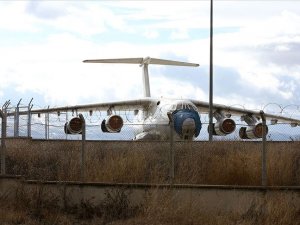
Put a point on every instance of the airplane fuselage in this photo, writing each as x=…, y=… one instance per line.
x=154, y=122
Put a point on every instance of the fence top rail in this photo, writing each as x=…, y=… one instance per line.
x=157, y=185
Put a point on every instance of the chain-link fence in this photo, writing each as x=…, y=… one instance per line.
x=52, y=126
x=214, y=163
x=235, y=161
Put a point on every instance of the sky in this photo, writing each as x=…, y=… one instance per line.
x=256, y=51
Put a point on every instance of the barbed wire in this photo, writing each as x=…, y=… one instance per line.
x=55, y=122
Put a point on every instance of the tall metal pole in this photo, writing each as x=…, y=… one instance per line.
x=263, y=151
x=211, y=75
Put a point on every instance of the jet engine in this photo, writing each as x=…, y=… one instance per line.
x=74, y=126
x=112, y=124
x=252, y=132
x=224, y=126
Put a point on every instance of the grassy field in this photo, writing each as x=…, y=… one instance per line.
x=226, y=163
x=217, y=163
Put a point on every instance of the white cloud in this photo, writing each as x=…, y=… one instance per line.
x=151, y=34
x=179, y=34
x=264, y=53
x=52, y=66
x=14, y=18
x=175, y=89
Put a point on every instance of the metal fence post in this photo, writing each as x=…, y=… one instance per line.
x=16, y=120
x=82, y=161
x=3, y=145
x=171, y=153
x=29, y=118
x=47, y=125
x=66, y=122
x=263, y=152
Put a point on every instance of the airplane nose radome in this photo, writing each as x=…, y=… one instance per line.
x=188, y=128
x=187, y=123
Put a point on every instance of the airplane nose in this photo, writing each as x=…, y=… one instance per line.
x=187, y=123
x=188, y=128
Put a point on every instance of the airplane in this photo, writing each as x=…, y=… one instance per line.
x=153, y=116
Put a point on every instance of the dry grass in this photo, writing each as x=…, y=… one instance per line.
x=226, y=163
x=217, y=163
x=135, y=166
x=158, y=208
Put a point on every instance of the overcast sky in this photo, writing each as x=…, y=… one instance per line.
x=43, y=43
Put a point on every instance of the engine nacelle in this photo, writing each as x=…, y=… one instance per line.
x=112, y=124
x=74, y=126
x=223, y=127
x=252, y=132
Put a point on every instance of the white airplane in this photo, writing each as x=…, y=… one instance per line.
x=152, y=116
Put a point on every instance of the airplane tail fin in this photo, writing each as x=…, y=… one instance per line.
x=144, y=62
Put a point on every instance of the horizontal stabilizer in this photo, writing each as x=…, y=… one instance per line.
x=142, y=61
x=171, y=62
x=123, y=60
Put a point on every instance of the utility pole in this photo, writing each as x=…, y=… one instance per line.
x=211, y=75
x=264, y=151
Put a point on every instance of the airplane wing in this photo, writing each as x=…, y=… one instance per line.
x=141, y=104
x=222, y=113
x=203, y=107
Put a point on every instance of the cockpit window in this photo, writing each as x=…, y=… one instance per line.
x=186, y=105
x=181, y=105
x=173, y=107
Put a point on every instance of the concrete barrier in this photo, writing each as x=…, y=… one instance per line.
x=207, y=198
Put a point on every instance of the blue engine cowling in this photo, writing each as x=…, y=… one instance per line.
x=187, y=123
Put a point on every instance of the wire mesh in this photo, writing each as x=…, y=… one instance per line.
x=51, y=126
x=236, y=161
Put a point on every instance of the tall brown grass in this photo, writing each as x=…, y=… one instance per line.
x=226, y=163
x=36, y=206
x=205, y=163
